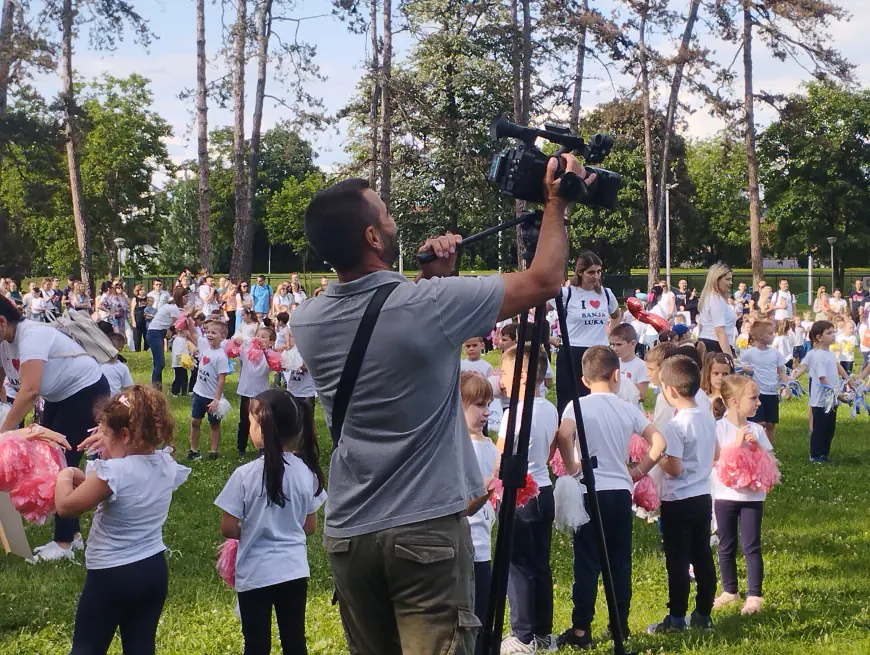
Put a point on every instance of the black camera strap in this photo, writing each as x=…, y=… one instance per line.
x=355, y=357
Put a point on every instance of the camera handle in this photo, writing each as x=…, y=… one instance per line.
x=429, y=255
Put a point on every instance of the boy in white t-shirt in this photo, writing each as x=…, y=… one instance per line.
x=474, y=361
x=848, y=344
x=623, y=341
x=253, y=380
x=609, y=423
x=530, y=583
x=209, y=389
x=687, y=506
x=116, y=371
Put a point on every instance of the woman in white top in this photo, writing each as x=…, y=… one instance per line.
x=715, y=316
x=838, y=303
x=244, y=300
x=39, y=360
x=162, y=321
x=589, y=308
x=821, y=305
x=296, y=290
x=282, y=300
x=668, y=301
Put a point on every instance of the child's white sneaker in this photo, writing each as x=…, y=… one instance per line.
x=725, y=599
x=752, y=605
x=513, y=646
x=52, y=552
x=78, y=542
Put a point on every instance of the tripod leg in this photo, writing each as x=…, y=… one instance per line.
x=513, y=475
x=591, y=495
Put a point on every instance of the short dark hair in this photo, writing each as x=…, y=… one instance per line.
x=9, y=311
x=336, y=221
x=682, y=374
x=599, y=363
x=283, y=317
x=818, y=329
x=692, y=352
x=118, y=341
x=511, y=331
x=625, y=332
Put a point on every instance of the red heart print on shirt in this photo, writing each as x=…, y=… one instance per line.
x=595, y=304
x=17, y=364
x=206, y=360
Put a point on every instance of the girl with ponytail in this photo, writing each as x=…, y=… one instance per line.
x=270, y=505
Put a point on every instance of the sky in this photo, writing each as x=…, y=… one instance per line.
x=170, y=64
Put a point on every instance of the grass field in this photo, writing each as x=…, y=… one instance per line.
x=817, y=560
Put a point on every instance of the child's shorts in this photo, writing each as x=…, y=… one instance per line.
x=799, y=352
x=768, y=410
x=199, y=408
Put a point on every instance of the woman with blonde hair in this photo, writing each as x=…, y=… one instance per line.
x=716, y=317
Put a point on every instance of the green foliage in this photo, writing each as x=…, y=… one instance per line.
x=816, y=172
x=284, y=219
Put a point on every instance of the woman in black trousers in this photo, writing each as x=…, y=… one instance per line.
x=138, y=304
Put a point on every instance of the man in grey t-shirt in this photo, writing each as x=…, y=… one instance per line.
x=405, y=470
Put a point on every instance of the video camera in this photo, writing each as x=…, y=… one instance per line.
x=519, y=171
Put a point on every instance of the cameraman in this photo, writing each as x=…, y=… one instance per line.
x=404, y=471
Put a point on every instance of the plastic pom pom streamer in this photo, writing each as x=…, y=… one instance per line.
x=557, y=464
x=15, y=462
x=524, y=495
x=735, y=467
x=637, y=449
x=29, y=468
x=232, y=349
x=860, y=401
x=274, y=360
x=646, y=495
x=223, y=409
x=181, y=322
x=765, y=471
x=226, y=564
x=568, y=496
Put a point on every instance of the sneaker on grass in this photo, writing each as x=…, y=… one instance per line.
x=546, y=644
x=51, y=552
x=668, y=624
x=725, y=599
x=193, y=455
x=572, y=639
x=78, y=542
x=513, y=646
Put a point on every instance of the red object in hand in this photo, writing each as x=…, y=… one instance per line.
x=524, y=495
x=657, y=322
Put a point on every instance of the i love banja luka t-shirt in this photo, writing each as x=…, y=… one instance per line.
x=588, y=312
x=212, y=362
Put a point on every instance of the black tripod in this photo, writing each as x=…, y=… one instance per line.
x=515, y=462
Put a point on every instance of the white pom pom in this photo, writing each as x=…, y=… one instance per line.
x=223, y=409
x=291, y=360
x=5, y=408
x=570, y=509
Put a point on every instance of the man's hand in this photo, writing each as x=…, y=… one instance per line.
x=445, y=252
x=552, y=184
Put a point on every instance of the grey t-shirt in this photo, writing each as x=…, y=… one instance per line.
x=405, y=455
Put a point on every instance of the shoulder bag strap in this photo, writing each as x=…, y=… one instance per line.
x=355, y=358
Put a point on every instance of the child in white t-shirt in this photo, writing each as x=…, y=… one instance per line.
x=608, y=423
x=270, y=505
x=115, y=371
x=253, y=380
x=131, y=488
x=824, y=372
x=784, y=341
x=183, y=352
x=531, y=614
x=623, y=341
x=799, y=337
x=474, y=361
x=848, y=344
x=687, y=506
x=767, y=366
x=476, y=396
x=739, y=508
x=209, y=389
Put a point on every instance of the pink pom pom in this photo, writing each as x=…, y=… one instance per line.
x=181, y=322
x=255, y=354
x=645, y=494
x=524, y=495
x=637, y=449
x=33, y=498
x=15, y=462
x=735, y=467
x=557, y=465
x=274, y=360
x=226, y=564
x=765, y=471
x=232, y=349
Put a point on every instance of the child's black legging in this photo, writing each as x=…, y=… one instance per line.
x=179, y=384
x=129, y=598
x=244, y=430
x=255, y=606
x=730, y=513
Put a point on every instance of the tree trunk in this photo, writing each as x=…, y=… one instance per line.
x=204, y=191
x=80, y=216
x=451, y=137
x=240, y=264
x=516, y=66
x=751, y=159
x=387, y=104
x=673, y=102
x=7, y=23
x=654, y=227
x=374, y=72
x=578, y=74
x=264, y=33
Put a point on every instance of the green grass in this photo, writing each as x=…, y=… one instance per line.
x=817, y=560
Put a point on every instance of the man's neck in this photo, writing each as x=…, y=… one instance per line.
x=366, y=268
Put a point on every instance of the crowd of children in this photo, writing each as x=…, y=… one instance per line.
x=702, y=406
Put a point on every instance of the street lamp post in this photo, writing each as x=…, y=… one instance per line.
x=120, y=242
x=832, y=241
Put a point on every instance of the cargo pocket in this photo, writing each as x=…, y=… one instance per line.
x=424, y=553
x=464, y=635
x=336, y=546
